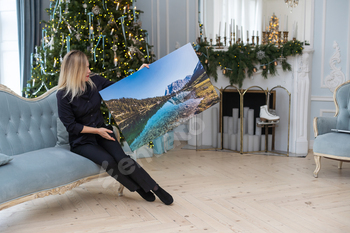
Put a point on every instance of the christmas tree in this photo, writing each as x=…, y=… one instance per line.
x=273, y=29
x=108, y=31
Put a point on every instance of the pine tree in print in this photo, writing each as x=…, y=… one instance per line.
x=107, y=31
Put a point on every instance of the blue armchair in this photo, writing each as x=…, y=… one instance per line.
x=329, y=144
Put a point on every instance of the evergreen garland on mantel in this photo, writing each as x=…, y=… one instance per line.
x=240, y=59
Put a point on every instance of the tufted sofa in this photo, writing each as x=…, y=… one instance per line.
x=37, y=142
x=329, y=144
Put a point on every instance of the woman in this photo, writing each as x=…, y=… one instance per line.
x=79, y=103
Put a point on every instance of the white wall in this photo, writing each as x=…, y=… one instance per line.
x=9, y=58
x=169, y=22
x=332, y=24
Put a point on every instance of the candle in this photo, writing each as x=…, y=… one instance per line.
x=117, y=6
x=204, y=31
x=286, y=24
x=225, y=30
x=242, y=32
x=247, y=34
x=219, y=27
x=264, y=23
x=233, y=26
x=296, y=29
x=257, y=33
x=253, y=32
x=237, y=31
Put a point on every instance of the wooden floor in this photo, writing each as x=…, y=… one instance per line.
x=213, y=192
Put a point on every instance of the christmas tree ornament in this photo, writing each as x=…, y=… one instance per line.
x=78, y=36
x=119, y=74
x=96, y=10
x=122, y=18
x=85, y=7
x=91, y=28
x=260, y=54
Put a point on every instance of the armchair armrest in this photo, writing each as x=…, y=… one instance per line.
x=324, y=125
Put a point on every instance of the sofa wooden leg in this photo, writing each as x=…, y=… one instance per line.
x=318, y=165
x=340, y=164
x=120, y=190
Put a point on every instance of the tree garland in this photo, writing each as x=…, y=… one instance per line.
x=242, y=60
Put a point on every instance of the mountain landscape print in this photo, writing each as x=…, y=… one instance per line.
x=155, y=100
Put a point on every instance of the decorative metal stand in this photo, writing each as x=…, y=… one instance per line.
x=241, y=93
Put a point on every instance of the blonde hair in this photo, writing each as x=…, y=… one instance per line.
x=73, y=74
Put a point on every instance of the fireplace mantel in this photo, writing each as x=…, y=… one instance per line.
x=297, y=82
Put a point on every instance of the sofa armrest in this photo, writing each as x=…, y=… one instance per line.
x=116, y=133
x=324, y=125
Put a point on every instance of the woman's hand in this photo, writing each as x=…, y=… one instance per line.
x=143, y=66
x=103, y=132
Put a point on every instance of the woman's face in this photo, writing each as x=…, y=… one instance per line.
x=88, y=71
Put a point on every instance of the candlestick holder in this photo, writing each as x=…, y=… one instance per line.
x=264, y=38
x=211, y=42
x=218, y=43
x=225, y=40
x=257, y=40
x=248, y=40
x=230, y=42
x=294, y=39
x=198, y=40
x=205, y=40
x=253, y=37
x=279, y=39
x=234, y=38
x=239, y=41
x=285, y=37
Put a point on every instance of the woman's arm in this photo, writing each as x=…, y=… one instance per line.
x=103, y=132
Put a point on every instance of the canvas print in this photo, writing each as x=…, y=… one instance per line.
x=153, y=101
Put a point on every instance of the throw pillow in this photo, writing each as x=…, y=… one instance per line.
x=62, y=134
x=4, y=159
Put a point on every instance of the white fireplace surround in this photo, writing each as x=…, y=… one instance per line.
x=297, y=82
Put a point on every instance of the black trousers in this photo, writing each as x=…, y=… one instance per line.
x=110, y=155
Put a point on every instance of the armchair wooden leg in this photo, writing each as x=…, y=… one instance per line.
x=120, y=190
x=340, y=164
x=318, y=165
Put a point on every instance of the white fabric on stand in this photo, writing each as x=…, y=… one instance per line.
x=250, y=142
x=215, y=127
x=219, y=141
x=251, y=121
x=226, y=141
x=269, y=143
x=225, y=126
x=233, y=141
x=230, y=125
x=235, y=120
x=245, y=142
x=257, y=129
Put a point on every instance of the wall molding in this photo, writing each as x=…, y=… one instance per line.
x=322, y=98
x=336, y=77
x=322, y=111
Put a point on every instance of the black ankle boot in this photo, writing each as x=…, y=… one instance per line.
x=165, y=197
x=149, y=196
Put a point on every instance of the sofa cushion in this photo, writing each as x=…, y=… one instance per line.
x=333, y=144
x=62, y=134
x=4, y=159
x=42, y=170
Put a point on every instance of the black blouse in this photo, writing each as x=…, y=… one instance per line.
x=83, y=110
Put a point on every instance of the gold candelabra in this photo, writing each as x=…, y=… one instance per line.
x=264, y=38
x=285, y=37
x=279, y=39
